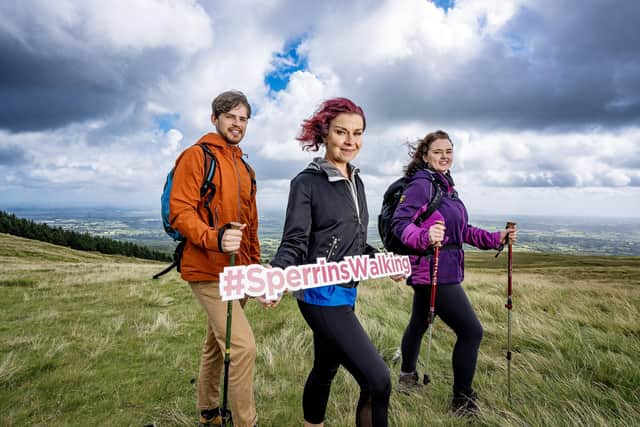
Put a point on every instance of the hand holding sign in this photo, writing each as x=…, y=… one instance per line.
x=270, y=283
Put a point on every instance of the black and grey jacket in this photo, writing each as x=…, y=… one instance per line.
x=326, y=217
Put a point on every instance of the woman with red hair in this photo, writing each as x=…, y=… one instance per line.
x=327, y=218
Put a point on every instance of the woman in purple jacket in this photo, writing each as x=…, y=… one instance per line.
x=448, y=227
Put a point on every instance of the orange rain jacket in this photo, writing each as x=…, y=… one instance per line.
x=235, y=200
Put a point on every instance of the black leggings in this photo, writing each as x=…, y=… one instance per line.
x=454, y=308
x=339, y=339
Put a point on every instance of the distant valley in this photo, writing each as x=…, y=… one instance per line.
x=566, y=235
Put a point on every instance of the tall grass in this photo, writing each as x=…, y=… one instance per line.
x=87, y=339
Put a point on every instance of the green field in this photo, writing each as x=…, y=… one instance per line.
x=89, y=339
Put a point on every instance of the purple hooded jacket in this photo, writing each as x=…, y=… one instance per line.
x=452, y=211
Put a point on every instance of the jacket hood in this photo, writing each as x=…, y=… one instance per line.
x=322, y=165
x=215, y=140
x=444, y=179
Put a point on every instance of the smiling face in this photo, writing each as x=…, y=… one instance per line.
x=440, y=155
x=344, y=139
x=232, y=125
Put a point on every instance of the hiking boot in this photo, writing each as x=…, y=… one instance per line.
x=465, y=404
x=210, y=417
x=408, y=382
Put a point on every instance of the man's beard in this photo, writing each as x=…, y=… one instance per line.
x=225, y=136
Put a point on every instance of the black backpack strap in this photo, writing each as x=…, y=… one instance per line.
x=252, y=174
x=434, y=203
x=165, y=271
x=177, y=256
x=208, y=188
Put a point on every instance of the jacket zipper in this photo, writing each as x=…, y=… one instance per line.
x=354, y=194
x=235, y=167
x=334, y=242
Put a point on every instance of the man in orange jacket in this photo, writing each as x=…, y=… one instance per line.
x=209, y=243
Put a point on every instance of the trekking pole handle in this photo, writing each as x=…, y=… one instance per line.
x=438, y=244
x=509, y=266
x=234, y=226
x=510, y=224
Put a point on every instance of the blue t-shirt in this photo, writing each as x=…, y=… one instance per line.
x=331, y=295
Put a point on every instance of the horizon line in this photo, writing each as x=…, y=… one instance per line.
x=263, y=212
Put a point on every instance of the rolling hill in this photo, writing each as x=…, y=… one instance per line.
x=90, y=339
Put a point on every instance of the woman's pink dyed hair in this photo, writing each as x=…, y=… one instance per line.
x=314, y=129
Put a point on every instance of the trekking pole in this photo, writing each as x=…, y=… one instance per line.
x=225, y=413
x=509, y=306
x=432, y=307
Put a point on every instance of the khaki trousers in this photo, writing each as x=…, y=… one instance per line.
x=243, y=356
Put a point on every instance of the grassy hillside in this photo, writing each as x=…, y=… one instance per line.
x=89, y=339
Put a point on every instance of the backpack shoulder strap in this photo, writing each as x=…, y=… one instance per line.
x=434, y=203
x=208, y=188
x=252, y=174
x=210, y=164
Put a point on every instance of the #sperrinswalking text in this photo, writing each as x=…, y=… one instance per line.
x=256, y=280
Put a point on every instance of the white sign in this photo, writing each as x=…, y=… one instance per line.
x=255, y=280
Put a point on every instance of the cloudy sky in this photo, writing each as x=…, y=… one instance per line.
x=541, y=97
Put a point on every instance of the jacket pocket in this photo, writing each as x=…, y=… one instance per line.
x=196, y=260
x=331, y=252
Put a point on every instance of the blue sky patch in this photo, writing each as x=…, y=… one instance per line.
x=286, y=63
x=444, y=4
x=166, y=122
x=516, y=44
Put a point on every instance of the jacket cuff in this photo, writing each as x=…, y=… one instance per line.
x=417, y=237
x=496, y=236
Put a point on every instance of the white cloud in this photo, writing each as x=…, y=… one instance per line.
x=66, y=157
x=172, y=141
x=115, y=25
x=615, y=178
x=278, y=122
x=523, y=104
